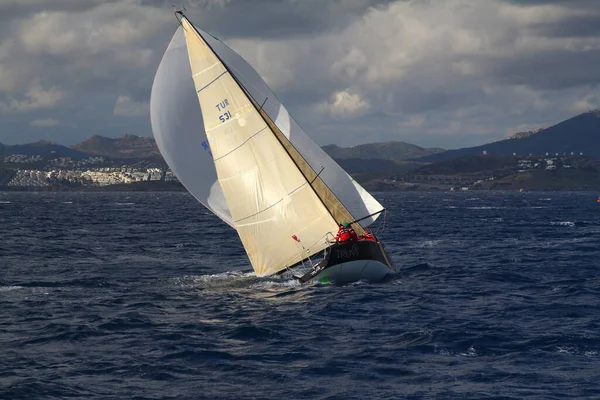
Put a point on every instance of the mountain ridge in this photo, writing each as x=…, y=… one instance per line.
x=390, y=150
x=578, y=134
x=124, y=146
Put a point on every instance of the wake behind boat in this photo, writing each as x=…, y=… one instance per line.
x=236, y=149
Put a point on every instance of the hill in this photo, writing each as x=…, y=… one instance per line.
x=125, y=146
x=587, y=179
x=580, y=134
x=360, y=165
x=468, y=165
x=522, y=135
x=394, y=151
x=42, y=148
x=488, y=172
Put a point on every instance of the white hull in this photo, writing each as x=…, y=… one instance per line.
x=357, y=270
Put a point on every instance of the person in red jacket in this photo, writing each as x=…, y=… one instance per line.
x=345, y=234
x=368, y=235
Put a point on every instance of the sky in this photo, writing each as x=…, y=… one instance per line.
x=435, y=73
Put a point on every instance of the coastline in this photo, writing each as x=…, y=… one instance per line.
x=161, y=186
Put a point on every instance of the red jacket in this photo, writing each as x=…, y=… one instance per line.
x=368, y=235
x=345, y=235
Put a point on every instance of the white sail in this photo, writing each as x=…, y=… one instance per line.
x=354, y=197
x=179, y=130
x=270, y=200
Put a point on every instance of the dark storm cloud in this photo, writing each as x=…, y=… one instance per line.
x=429, y=72
x=547, y=70
x=578, y=26
x=567, y=3
x=11, y=9
x=272, y=18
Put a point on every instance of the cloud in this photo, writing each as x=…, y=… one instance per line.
x=36, y=98
x=587, y=103
x=345, y=105
x=44, y=123
x=435, y=73
x=127, y=107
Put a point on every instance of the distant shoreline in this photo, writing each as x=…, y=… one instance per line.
x=159, y=186
x=149, y=186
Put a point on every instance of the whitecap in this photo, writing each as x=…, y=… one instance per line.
x=271, y=283
x=563, y=223
x=570, y=350
x=9, y=288
x=429, y=243
x=471, y=352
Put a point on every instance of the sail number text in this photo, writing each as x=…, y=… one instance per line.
x=221, y=107
x=206, y=147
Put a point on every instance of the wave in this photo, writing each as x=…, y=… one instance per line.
x=563, y=223
x=10, y=288
x=486, y=208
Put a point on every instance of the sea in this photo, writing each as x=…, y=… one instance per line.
x=130, y=295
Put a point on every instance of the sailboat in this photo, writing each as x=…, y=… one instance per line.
x=237, y=150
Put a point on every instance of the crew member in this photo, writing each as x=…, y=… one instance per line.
x=345, y=234
x=368, y=235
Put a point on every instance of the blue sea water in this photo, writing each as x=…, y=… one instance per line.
x=148, y=296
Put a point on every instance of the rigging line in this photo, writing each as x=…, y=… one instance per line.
x=316, y=176
x=382, y=226
x=368, y=216
x=263, y=103
x=296, y=264
x=243, y=143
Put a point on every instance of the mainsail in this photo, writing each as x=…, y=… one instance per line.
x=274, y=183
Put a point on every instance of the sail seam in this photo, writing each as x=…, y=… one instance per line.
x=205, y=69
x=211, y=82
x=272, y=205
x=243, y=143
